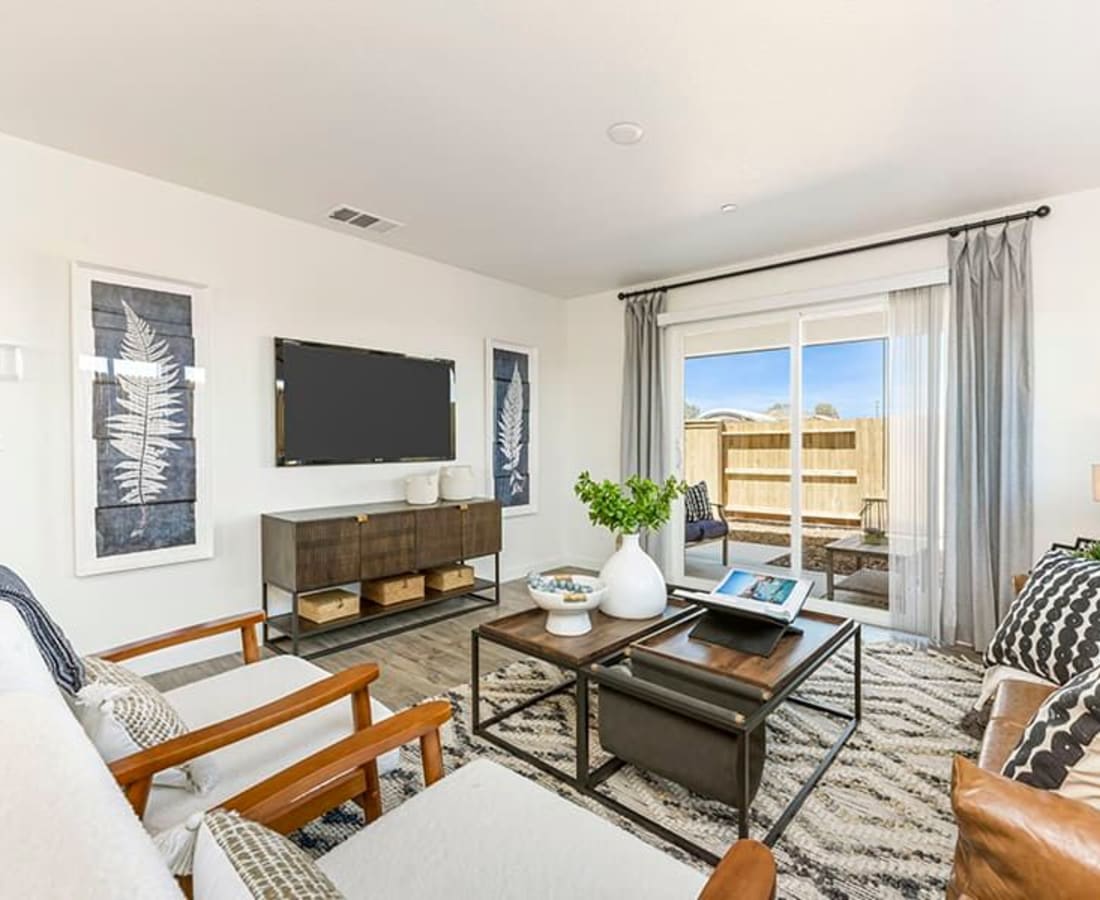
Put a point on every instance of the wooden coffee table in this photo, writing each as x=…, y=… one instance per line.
x=590, y=659
x=525, y=632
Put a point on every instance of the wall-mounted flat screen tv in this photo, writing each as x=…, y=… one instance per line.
x=338, y=405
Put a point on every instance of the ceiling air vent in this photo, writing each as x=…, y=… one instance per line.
x=364, y=221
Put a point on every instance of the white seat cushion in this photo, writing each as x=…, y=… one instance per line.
x=486, y=833
x=66, y=829
x=248, y=762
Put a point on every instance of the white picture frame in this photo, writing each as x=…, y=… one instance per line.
x=142, y=492
x=502, y=470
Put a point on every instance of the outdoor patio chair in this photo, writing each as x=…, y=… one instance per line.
x=709, y=529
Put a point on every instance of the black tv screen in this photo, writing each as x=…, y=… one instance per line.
x=347, y=405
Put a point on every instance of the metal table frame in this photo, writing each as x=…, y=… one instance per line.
x=587, y=781
x=578, y=681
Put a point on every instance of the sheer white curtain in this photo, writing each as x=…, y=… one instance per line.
x=917, y=405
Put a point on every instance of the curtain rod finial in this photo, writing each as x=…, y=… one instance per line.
x=1043, y=211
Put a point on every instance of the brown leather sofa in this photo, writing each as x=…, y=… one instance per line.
x=1018, y=842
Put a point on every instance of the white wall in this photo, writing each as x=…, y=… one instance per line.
x=269, y=276
x=1066, y=267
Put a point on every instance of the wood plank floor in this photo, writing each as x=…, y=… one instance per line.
x=425, y=662
x=415, y=665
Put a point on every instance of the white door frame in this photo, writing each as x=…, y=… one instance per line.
x=674, y=337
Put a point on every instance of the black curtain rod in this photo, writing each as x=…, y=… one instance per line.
x=952, y=230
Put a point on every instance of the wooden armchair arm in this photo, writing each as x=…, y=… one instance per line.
x=272, y=799
x=244, y=622
x=135, y=773
x=746, y=872
x=1018, y=582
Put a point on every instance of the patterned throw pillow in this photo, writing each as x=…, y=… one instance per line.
x=1060, y=748
x=264, y=863
x=1053, y=628
x=57, y=652
x=123, y=714
x=697, y=503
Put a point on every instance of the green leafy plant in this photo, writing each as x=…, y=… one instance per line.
x=1092, y=551
x=628, y=508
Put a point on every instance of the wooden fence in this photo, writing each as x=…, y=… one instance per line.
x=746, y=466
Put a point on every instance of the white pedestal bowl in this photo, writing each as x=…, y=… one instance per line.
x=567, y=610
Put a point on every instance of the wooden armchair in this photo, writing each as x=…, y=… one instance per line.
x=471, y=803
x=245, y=623
x=250, y=702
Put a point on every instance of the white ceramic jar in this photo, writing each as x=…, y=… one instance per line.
x=456, y=483
x=421, y=490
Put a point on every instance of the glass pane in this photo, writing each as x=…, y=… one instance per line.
x=844, y=457
x=737, y=441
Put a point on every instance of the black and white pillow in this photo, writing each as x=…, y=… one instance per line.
x=1053, y=628
x=57, y=652
x=1060, y=748
x=697, y=503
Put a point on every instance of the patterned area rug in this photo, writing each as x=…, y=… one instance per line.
x=877, y=826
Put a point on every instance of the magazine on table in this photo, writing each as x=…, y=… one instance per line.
x=758, y=593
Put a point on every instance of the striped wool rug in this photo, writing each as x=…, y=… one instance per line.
x=877, y=826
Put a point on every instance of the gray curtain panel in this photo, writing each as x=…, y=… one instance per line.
x=642, y=448
x=989, y=447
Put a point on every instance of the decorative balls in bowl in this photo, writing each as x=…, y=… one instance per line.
x=567, y=600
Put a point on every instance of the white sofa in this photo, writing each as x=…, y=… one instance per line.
x=239, y=764
x=66, y=829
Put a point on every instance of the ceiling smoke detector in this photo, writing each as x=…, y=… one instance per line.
x=625, y=133
x=364, y=221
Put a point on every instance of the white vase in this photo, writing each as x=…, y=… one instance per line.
x=635, y=586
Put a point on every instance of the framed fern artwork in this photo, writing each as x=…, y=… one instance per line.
x=511, y=377
x=141, y=432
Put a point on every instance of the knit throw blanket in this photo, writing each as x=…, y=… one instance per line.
x=60, y=658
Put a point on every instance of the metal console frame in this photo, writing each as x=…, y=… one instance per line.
x=295, y=637
x=587, y=781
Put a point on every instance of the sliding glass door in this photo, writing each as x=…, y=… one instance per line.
x=736, y=441
x=750, y=391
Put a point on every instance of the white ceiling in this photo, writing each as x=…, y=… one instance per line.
x=481, y=123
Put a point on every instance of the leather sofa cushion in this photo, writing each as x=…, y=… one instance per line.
x=1020, y=843
x=708, y=530
x=1013, y=706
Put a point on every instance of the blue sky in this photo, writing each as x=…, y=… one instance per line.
x=848, y=375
